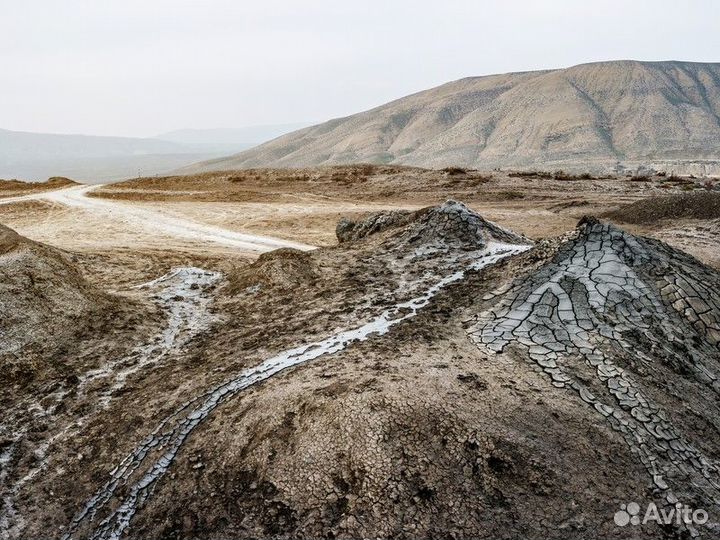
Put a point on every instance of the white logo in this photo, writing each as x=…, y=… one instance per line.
x=629, y=514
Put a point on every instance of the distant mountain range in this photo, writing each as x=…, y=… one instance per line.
x=664, y=115
x=250, y=135
x=37, y=156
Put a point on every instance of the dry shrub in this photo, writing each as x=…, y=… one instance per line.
x=454, y=171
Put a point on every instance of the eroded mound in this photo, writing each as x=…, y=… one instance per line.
x=695, y=205
x=44, y=301
x=348, y=230
x=396, y=253
x=452, y=224
x=284, y=268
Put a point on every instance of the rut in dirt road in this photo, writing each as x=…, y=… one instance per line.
x=137, y=475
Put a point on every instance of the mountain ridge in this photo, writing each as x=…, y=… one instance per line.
x=656, y=114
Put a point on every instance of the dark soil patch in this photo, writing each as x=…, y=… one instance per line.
x=700, y=205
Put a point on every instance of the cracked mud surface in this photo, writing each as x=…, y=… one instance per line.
x=434, y=375
x=608, y=302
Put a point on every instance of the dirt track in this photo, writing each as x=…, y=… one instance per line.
x=154, y=222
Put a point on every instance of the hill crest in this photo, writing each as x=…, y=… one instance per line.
x=664, y=115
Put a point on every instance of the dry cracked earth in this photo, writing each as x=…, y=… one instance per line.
x=430, y=374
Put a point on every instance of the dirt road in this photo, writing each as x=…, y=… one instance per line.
x=156, y=222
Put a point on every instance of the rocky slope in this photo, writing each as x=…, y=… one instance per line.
x=590, y=116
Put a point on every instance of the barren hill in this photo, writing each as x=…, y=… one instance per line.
x=591, y=116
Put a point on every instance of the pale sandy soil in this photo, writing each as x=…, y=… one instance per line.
x=68, y=218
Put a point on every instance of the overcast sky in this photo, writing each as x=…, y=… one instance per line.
x=141, y=67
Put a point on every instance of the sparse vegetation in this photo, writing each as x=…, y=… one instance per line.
x=557, y=175
x=20, y=186
x=674, y=178
x=561, y=175
x=454, y=171
x=530, y=174
x=510, y=195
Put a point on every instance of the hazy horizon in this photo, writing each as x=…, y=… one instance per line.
x=138, y=69
x=166, y=135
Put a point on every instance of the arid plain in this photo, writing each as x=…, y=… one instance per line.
x=248, y=354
